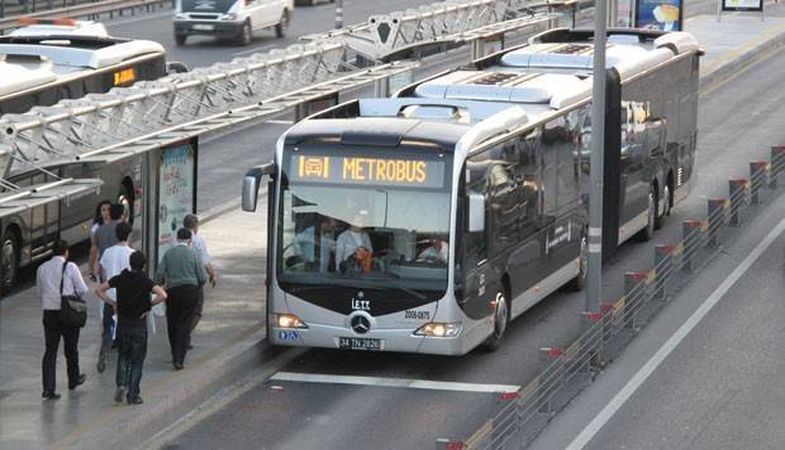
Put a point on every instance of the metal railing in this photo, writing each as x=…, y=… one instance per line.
x=569, y=369
x=204, y=100
x=386, y=34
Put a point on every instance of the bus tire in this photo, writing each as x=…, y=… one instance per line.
x=179, y=39
x=579, y=282
x=647, y=232
x=9, y=264
x=666, y=210
x=501, y=319
x=282, y=25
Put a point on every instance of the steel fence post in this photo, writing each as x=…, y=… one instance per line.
x=631, y=280
x=663, y=269
x=550, y=354
x=715, y=218
x=592, y=319
x=448, y=444
x=690, y=236
x=736, y=188
x=758, y=175
x=777, y=162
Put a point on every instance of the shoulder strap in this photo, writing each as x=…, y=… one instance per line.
x=62, y=278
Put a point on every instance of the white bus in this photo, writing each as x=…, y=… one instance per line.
x=427, y=221
x=41, y=70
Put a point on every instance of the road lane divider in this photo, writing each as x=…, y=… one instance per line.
x=406, y=383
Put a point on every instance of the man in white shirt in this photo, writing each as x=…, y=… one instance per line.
x=437, y=252
x=113, y=261
x=191, y=222
x=48, y=281
x=350, y=246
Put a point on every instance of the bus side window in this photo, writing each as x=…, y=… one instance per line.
x=475, y=244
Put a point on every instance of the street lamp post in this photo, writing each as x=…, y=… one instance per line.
x=339, y=14
x=594, y=275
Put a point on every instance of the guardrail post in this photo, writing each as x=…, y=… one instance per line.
x=715, y=218
x=777, y=163
x=550, y=354
x=631, y=281
x=736, y=188
x=663, y=269
x=596, y=361
x=448, y=444
x=759, y=171
x=691, y=236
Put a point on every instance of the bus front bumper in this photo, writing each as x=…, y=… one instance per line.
x=386, y=340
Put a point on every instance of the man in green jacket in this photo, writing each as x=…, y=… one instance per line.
x=182, y=272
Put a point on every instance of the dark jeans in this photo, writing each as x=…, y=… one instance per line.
x=53, y=329
x=106, y=333
x=198, y=309
x=132, y=349
x=180, y=308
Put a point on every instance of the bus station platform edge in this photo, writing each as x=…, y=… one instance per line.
x=229, y=343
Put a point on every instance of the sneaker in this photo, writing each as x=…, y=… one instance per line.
x=101, y=366
x=79, y=381
x=119, y=394
x=50, y=395
x=135, y=400
x=178, y=366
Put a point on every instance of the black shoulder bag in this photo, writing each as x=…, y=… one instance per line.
x=73, y=310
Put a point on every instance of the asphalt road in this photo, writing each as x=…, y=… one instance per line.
x=204, y=50
x=285, y=414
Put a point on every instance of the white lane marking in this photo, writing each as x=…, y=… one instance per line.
x=258, y=49
x=394, y=382
x=142, y=17
x=651, y=365
x=280, y=122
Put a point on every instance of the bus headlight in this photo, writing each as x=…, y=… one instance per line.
x=289, y=321
x=439, y=329
x=179, y=16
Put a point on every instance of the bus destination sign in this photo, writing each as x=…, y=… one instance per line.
x=364, y=170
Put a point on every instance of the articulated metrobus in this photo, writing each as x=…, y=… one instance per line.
x=42, y=70
x=427, y=221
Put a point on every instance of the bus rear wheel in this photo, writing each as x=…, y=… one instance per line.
x=666, y=208
x=9, y=263
x=651, y=215
x=501, y=318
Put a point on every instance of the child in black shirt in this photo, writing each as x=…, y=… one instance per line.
x=133, y=305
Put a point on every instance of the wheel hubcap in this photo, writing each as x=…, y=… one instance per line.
x=501, y=315
x=9, y=264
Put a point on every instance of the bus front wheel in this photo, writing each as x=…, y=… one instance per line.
x=501, y=318
x=10, y=261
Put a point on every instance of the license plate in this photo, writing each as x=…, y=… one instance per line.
x=350, y=343
x=203, y=27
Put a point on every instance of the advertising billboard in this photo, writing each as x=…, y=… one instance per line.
x=742, y=5
x=176, y=191
x=662, y=15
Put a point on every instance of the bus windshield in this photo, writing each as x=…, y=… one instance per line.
x=359, y=221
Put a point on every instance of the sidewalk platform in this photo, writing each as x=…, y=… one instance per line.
x=229, y=342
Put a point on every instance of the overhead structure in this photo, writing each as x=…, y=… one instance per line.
x=152, y=113
x=387, y=34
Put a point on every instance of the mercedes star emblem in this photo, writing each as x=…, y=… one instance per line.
x=361, y=324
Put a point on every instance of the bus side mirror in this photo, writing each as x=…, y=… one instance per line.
x=251, y=183
x=476, y=213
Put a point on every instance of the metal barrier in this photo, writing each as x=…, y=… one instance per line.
x=78, y=9
x=570, y=369
x=201, y=101
x=386, y=34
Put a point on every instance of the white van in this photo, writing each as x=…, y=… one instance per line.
x=230, y=19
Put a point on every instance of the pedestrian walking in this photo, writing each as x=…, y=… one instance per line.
x=132, y=302
x=57, y=278
x=182, y=273
x=104, y=237
x=101, y=217
x=191, y=222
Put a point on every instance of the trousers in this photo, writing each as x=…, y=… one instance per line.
x=106, y=332
x=53, y=330
x=132, y=350
x=180, y=308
